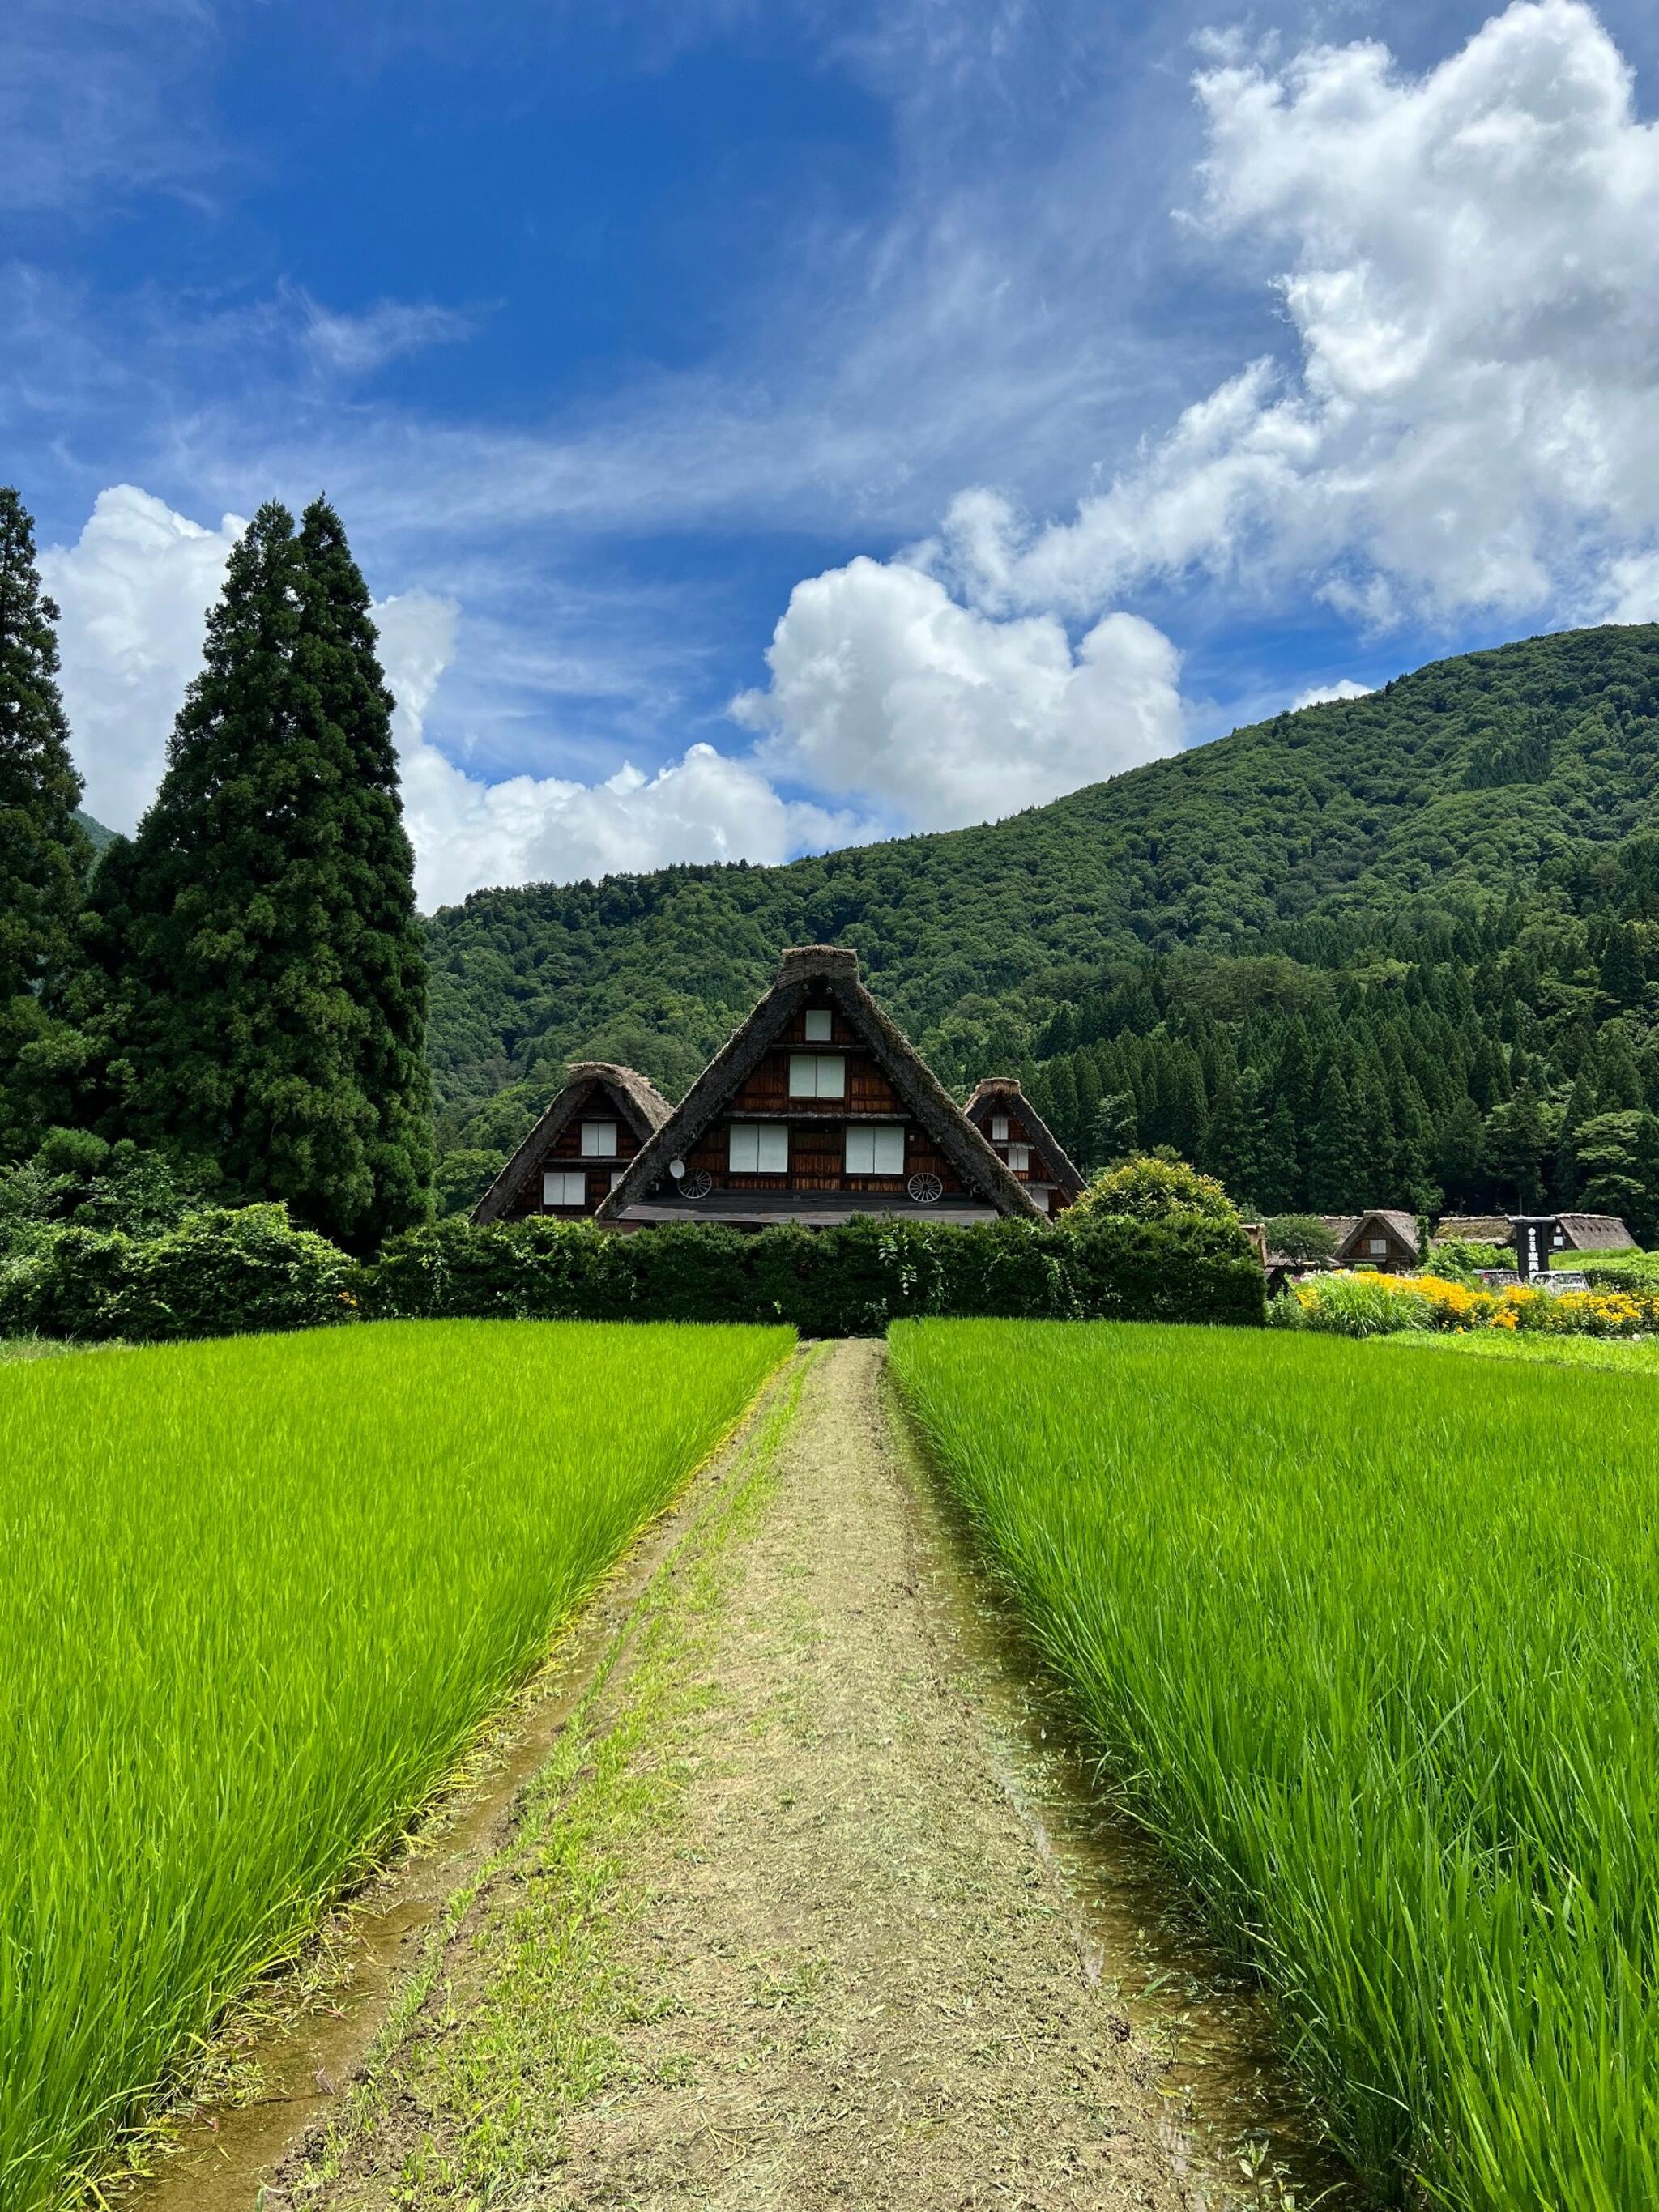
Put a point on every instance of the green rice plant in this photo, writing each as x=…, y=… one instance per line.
x=255, y=1597
x=1366, y=1636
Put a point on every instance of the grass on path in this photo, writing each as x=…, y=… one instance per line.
x=496, y=2038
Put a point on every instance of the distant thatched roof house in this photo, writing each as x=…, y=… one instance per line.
x=1595, y=1232
x=1574, y=1232
x=1475, y=1228
x=1384, y=1239
x=1019, y=1136
x=816, y=1109
x=580, y=1147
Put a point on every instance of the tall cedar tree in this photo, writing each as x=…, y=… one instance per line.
x=272, y=1006
x=44, y=853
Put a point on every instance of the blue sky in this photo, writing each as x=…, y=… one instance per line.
x=765, y=426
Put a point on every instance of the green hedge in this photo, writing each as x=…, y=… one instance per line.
x=218, y=1274
x=221, y=1273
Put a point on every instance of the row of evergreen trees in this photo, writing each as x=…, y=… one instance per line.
x=1525, y=1080
x=241, y=985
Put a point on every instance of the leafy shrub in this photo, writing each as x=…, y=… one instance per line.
x=1302, y=1237
x=218, y=1274
x=1616, y=1271
x=1352, y=1305
x=1461, y=1259
x=1153, y=1189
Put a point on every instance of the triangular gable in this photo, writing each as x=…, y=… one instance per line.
x=1401, y=1226
x=815, y=972
x=635, y=1099
x=1000, y=1093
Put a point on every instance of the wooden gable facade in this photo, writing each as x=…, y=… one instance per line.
x=818, y=1108
x=581, y=1147
x=1383, y=1241
x=1024, y=1143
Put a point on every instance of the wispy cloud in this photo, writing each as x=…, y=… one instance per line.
x=357, y=344
x=102, y=97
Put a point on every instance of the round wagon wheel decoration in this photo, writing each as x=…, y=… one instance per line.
x=925, y=1189
x=698, y=1184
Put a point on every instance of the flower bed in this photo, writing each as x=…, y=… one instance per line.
x=1366, y=1304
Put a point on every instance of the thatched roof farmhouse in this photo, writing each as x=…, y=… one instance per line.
x=1020, y=1136
x=817, y=1107
x=580, y=1147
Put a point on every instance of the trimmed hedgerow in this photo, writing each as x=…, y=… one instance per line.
x=222, y=1273
x=847, y=1280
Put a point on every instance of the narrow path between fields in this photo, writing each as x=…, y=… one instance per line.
x=773, y=1931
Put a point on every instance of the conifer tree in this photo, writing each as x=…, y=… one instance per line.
x=274, y=1015
x=1279, y=1174
x=1337, y=1151
x=1233, y=1141
x=44, y=853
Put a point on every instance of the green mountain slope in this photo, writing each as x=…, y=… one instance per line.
x=1493, y=773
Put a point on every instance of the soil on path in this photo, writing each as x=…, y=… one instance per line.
x=778, y=1936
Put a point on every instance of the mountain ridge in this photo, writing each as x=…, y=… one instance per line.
x=1450, y=790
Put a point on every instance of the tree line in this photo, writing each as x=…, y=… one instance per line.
x=239, y=990
x=1512, y=1065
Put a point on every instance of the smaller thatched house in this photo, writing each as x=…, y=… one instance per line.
x=1593, y=1232
x=1383, y=1240
x=577, y=1152
x=1574, y=1232
x=1476, y=1228
x=1023, y=1141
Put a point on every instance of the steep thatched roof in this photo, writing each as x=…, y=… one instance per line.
x=997, y=1094
x=819, y=971
x=1352, y=1230
x=1476, y=1228
x=636, y=1098
x=1595, y=1232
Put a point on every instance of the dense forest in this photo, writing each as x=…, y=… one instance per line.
x=1402, y=949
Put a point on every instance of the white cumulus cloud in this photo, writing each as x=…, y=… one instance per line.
x=884, y=688
x=1468, y=260
x=134, y=591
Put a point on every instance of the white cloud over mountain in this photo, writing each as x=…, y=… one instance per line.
x=1461, y=419
x=1321, y=695
x=884, y=686
x=134, y=592
x=1469, y=264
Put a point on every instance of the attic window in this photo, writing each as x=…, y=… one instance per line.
x=758, y=1148
x=1019, y=1157
x=819, y=1029
x=599, y=1141
x=877, y=1148
x=564, y=1187
x=998, y=1128
x=1377, y=1244
x=816, y=1075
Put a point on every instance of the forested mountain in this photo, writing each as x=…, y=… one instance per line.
x=1381, y=950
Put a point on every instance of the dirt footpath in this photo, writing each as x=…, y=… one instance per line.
x=776, y=1934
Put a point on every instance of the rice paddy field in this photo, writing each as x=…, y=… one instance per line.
x=256, y=1596
x=1365, y=1635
